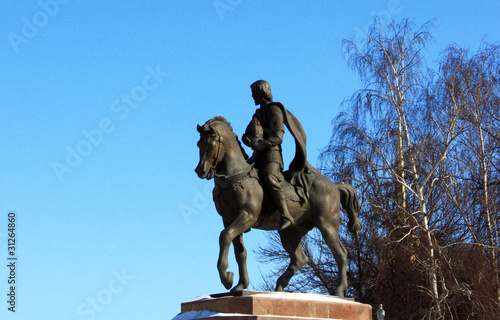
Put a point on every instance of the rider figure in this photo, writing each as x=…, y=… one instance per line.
x=268, y=157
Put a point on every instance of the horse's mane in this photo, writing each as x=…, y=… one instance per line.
x=228, y=124
x=221, y=119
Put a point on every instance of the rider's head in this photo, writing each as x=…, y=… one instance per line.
x=261, y=92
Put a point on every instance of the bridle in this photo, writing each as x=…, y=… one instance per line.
x=221, y=152
x=222, y=181
x=218, y=157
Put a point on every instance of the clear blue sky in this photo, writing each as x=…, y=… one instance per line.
x=99, y=103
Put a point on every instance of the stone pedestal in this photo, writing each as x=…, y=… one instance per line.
x=251, y=305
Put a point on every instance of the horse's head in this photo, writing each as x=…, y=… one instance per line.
x=219, y=144
x=212, y=150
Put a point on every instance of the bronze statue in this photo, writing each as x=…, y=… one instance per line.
x=245, y=201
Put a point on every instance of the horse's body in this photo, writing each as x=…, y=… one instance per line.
x=240, y=200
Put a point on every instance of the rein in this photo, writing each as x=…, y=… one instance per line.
x=217, y=156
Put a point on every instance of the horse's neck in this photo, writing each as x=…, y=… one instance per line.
x=233, y=163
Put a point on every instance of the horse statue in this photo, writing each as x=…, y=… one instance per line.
x=242, y=202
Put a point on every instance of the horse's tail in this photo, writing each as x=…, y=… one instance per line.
x=350, y=202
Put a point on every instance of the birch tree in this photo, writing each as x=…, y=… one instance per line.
x=470, y=85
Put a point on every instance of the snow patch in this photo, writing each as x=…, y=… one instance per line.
x=303, y=296
x=200, y=298
x=202, y=314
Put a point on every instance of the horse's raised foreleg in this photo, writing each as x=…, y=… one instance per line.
x=291, y=239
x=241, y=223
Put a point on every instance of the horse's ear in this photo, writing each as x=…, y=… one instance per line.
x=198, y=127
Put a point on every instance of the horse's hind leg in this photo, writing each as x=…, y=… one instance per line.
x=329, y=229
x=291, y=239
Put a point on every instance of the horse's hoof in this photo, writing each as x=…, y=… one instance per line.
x=239, y=287
x=228, y=283
x=340, y=293
x=279, y=288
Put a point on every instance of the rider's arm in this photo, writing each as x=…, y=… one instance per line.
x=276, y=127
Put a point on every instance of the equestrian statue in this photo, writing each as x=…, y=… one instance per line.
x=256, y=193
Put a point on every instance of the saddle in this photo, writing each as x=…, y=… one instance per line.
x=296, y=185
x=290, y=190
x=301, y=181
x=298, y=192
